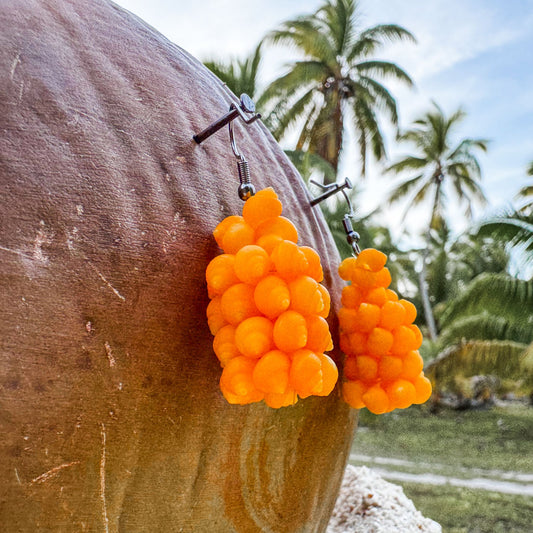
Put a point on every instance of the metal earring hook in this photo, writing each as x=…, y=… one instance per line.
x=244, y=109
x=246, y=188
x=329, y=190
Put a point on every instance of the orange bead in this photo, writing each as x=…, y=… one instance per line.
x=404, y=340
x=412, y=365
x=330, y=375
x=237, y=303
x=350, y=368
x=357, y=342
x=280, y=226
x=281, y=400
x=313, y=259
x=289, y=260
x=347, y=320
x=223, y=226
x=391, y=295
x=390, y=367
x=261, y=207
x=376, y=400
x=366, y=279
x=410, y=312
x=392, y=315
x=383, y=278
x=326, y=299
x=344, y=343
x=401, y=394
x=253, y=336
x=352, y=392
x=306, y=297
x=367, y=368
x=236, y=236
x=272, y=296
x=422, y=388
x=372, y=259
x=306, y=376
x=418, y=336
x=269, y=242
x=290, y=331
x=318, y=334
x=215, y=319
x=352, y=296
x=271, y=374
x=379, y=342
x=368, y=316
x=251, y=263
x=376, y=296
x=346, y=268
x=220, y=274
x=236, y=381
x=224, y=344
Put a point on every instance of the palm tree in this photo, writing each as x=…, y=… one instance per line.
x=240, y=75
x=337, y=81
x=436, y=164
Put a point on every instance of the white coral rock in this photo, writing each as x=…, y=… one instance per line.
x=369, y=504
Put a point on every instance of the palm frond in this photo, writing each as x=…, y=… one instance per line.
x=498, y=294
x=409, y=162
x=485, y=326
x=384, y=69
x=389, y=32
x=504, y=359
x=379, y=94
x=516, y=228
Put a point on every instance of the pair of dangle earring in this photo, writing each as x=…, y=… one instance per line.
x=268, y=310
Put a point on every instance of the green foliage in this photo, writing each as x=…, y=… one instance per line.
x=240, y=75
x=486, y=326
x=337, y=80
x=498, y=294
x=308, y=164
x=486, y=329
x=503, y=359
x=514, y=229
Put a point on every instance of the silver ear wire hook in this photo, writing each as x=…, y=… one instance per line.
x=246, y=188
x=329, y=190
x=244, y=109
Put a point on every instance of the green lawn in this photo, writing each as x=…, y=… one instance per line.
x=460, y=510
x=459, y=444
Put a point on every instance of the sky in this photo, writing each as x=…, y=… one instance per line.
x=474, y=54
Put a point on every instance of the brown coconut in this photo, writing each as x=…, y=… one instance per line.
x=111, y=418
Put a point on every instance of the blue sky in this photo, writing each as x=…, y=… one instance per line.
x=477, y=54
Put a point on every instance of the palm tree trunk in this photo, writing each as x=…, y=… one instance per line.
x=329, y=147
x=428, y=311
x=424, y=294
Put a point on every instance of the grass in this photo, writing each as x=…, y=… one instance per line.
x=499, y=438
x=453, y=443
x=460, y=510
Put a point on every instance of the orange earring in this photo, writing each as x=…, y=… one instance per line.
x=383, y=369
x=268, y=309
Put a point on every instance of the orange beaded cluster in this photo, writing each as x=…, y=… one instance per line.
x=268, y=310
x=383, y=368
